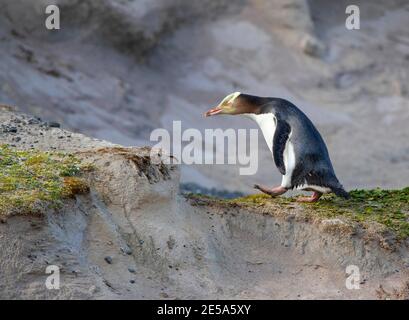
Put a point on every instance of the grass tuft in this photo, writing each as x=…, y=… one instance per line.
x=32, y=181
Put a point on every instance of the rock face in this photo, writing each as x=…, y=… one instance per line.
x=116, y=70
x=135, y=237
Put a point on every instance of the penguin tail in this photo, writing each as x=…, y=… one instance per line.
x=340, y=192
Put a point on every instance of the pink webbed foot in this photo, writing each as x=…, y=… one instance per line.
x=271, y=191
x=314, y=198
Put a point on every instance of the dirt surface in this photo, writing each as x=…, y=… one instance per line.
x=117, y=70
x=135, y=237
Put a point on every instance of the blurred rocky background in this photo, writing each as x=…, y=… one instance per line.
x=117, y=69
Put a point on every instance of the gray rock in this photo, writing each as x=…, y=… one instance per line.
x=313, y=46
x=53, y=124
x=9, y=129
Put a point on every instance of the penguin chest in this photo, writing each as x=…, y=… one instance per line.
x=267, y=123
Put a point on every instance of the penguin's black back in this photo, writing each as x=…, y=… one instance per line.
x=313, y=164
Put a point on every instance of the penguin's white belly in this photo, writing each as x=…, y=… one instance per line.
x=289, y=163
x=267, y=124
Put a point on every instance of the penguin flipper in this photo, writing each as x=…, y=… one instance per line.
x=281, y=135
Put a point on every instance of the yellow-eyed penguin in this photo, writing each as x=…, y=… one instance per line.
x=298, y=150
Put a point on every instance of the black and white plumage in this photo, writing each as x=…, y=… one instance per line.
x=298, y=150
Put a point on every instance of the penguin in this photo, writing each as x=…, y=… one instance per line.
x=298, y=150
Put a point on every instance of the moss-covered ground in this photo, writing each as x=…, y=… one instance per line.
x=32, y=181
x=389, y=208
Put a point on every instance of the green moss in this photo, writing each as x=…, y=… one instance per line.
x=261, y=199
x=389, y=208
x=32, y=181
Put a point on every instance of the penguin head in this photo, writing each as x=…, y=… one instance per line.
x=227, y=106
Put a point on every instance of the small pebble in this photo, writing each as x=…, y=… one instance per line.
x=108, y=259
x=131, y=270
x=53, y=124
x=33, y=121
x=127, y=251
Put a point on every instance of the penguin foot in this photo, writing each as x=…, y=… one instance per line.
x=273, y=191
x=314, y=198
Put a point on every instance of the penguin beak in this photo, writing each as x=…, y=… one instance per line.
x=213, y=111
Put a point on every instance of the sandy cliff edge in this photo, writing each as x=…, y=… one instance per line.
x=135, y=237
